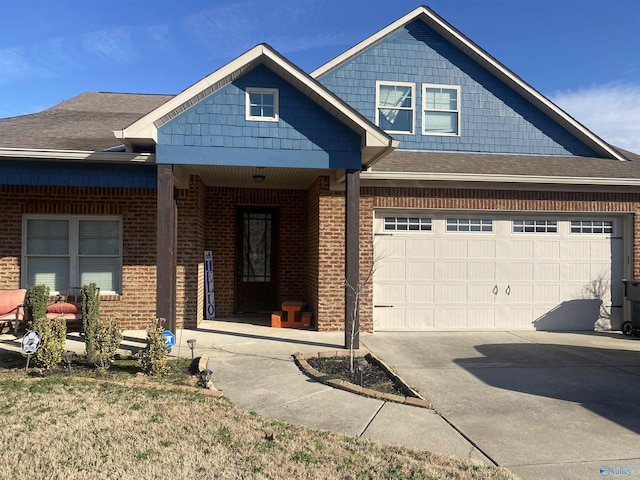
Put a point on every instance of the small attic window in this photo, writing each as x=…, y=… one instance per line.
x=262, y=104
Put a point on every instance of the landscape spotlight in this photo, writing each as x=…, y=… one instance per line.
x=192, y=345
x=68, y=357
x=361, y=364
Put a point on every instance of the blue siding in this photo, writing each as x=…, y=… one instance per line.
x=216, y=132
x=67, y=174
x=494, y=118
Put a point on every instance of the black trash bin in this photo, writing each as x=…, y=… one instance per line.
x=632, y=293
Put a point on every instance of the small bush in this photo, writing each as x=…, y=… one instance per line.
x=53, y=333
x=90, y=319
x=107, y=340
x=35, y=303
x=154, y=357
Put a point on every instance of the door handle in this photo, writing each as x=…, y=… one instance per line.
x=508, y=290
x=495, y=290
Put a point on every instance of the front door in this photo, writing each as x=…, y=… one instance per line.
x=256, y=260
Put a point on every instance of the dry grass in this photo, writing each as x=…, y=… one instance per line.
x=60, y=428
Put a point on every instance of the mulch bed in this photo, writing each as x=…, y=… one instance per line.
x=372, y=375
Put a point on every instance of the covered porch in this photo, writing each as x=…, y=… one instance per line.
x=259, y=164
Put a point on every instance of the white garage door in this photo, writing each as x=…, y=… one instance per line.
x=442, y=271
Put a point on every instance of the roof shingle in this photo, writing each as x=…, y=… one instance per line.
x=500, y=164
x=84, y=122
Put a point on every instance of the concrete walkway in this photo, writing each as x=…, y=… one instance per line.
x=254, y=367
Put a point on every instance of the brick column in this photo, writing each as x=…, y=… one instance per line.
x=352, y=258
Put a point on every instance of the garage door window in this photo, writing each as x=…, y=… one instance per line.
x=601, y=227
x=535, y=226
x=405, y=224
x=484, y=225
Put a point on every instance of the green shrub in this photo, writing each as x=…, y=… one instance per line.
x=35, y=303
x=53, y=333
x=107, y=340
x=90, y=319
x=153, y=358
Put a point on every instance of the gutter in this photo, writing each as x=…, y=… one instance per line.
x=77, y=155
x=483, y=178
x=391, y=146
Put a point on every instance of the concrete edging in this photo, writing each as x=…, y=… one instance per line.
x=413, y=398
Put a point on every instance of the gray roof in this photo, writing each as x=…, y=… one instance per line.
x=84, y=122
x=502, y=164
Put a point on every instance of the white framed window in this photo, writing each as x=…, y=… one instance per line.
x=441, y=110
x=483, y=225
x=407, y=224
x=262, y=104
x=594, y=227
x=395, y=110
x=71, y=251
x=534, y=226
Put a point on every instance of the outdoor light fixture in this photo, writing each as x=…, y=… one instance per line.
x=192, y=345
x=361, y=364
x=68, y=357
x=259, y=178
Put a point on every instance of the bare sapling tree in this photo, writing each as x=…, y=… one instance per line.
x=356, y=292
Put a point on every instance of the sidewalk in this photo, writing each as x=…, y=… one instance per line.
x=254, y=367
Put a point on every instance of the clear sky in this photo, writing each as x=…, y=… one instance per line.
x=582, y=54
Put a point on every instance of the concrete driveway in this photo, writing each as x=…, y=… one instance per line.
x=543, y=404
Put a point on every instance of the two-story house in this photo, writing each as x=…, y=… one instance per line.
x=414, y=165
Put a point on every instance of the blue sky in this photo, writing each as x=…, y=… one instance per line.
x=582, y=54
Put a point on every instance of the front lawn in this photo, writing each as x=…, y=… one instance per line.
x=58, y=427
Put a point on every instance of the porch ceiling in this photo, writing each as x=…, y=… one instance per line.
x=232, y=176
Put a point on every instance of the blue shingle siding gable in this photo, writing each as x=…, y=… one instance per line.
x=494, y=118
x=74, y=174
x=215, y=131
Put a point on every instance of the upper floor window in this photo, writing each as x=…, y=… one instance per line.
x=441, y=106
x=66, y=252
x=262, y=104
x=395, y=106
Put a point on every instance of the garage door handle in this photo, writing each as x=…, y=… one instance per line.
x=383, y=306
x=508, y=290
x=495, y=290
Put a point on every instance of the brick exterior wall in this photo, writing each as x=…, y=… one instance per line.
x=313, y=246
x=190, y=269
x=137, y=302
x=310, y=247
x=331, y=258
x=220, y=238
